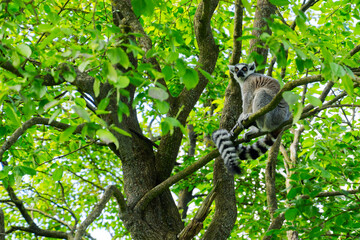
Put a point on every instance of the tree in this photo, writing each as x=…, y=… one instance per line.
x=107, y=108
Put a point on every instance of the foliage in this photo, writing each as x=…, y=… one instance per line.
x=60, y=169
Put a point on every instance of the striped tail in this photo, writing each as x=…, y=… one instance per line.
x=227, y=150
x=257, y=149
x=232, y=154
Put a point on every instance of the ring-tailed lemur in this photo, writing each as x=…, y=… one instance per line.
x=257, y=91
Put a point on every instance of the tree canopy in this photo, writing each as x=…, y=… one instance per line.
x=107, y=108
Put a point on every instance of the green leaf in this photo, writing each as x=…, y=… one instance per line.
x=96, y=87
x=247, y=5
x=83, y=65
x=103, y=104
x=15, y=59
x=45, y=27
x=158, y=93
x=69, y=76
x=348, y=85
x=50, y=105
x=11, y=115
x=24, y=50
x=3, y=174
x=111, y=73
x=281, y=57
x=168, y=124
x=82, y=113
x=107, y=137
x=293, y=192
x=327, y=55
x=123, y=82
x=190, y=78
x=299, y=64
x=172, y=57
x=58, y=174
x=206, y=74
x=300, y=54
x=66, y=134
x=117, y=55
x=290, y=214
x=280, y=3
x=168, y=72
x=298, y=109
x=162, y=106
x=54, y=115
x=291, y=98
x=121, y=131
x=28, y=170
x=143, y=7
x=314, y=101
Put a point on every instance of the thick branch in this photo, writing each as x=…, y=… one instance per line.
x=2, y=225
x=355, y=50
x=237, y=44
x=156, y=191
x=9, y=67
x=275, y=224
x=270, y=176
x=99, y=207
x=196, y=224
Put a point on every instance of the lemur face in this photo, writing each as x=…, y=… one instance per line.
x=242, y=70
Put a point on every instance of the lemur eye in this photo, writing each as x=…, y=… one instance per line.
x=244, y=69
x=236, y=69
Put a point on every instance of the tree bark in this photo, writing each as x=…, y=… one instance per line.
x=264, y=9
x=225, y=211
x=2, y=225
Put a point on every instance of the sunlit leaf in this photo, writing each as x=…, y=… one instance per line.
x=24, y=49
x=190, y=78
x=58, y=174
x=107, y=137
x=82, y=113
x=65, y=135
x=121, y=131
x=158, y=93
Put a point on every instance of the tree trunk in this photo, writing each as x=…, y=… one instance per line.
x=264, y=9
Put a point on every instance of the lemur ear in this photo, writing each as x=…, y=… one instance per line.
x=231, y=68
x=252, y=66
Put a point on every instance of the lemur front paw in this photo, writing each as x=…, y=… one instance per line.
x=243, y=117
x=253, y=130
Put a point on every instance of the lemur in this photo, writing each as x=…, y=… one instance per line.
x=257, y=91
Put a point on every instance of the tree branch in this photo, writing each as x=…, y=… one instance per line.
x=29, y=123
x=270, y=173
x=196, y=224
x=275, y=224
x=99, y=207
x=156, y=191
x=33, y=228
x=355, y=50
x=333, y=194
x=237, y=44
x=2, y=225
